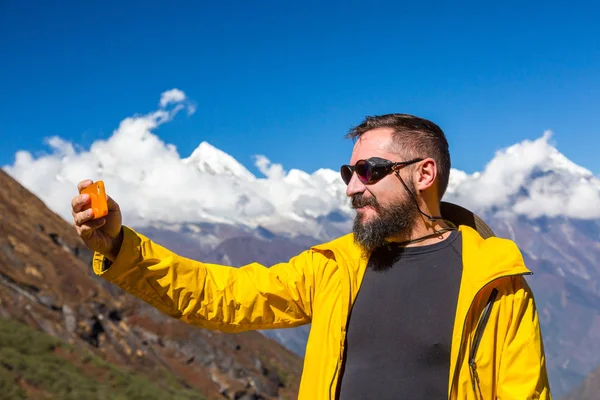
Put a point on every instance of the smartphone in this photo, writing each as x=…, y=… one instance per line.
x=98, y=197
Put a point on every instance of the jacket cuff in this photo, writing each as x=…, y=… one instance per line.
x=127, y=259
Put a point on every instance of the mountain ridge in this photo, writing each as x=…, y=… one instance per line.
x=529, y=178
x=209, y=206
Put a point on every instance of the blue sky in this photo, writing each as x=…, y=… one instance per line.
x=288, y=80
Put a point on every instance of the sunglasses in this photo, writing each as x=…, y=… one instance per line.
x=372, y=169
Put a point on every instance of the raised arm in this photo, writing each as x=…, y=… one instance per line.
x=214, y=296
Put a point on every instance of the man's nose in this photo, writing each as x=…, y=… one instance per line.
x=354, y=186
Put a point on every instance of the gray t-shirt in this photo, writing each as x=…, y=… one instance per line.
x=400, y=326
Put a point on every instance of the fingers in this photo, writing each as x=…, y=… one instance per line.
x=79, y=202
x=83, y=184
x=86, y=229
x=82, y=217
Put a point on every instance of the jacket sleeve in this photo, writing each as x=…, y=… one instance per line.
x=215, y=296
x=523, y=373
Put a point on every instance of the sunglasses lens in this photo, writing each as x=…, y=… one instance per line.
x=346, y=173
x=363, y=171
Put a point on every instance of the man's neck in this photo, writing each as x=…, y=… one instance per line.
x=424, y=233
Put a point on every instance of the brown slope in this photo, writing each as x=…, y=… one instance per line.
x=46, y=282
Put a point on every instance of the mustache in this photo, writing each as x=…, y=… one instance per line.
x=358, y=200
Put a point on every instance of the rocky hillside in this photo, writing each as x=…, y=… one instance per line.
x=46, y=283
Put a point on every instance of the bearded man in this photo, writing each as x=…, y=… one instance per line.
x=420, y=301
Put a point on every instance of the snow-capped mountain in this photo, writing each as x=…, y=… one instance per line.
x=209, y=206
x=208, y=159
x=531, y=178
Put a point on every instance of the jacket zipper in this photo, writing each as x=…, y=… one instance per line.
x=478, y=334
x=462, y=337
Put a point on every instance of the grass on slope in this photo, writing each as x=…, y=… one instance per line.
x=36, y=365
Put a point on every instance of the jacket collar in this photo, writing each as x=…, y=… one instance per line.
x=483, y=259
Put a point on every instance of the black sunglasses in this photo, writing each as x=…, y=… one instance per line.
x=372, y=169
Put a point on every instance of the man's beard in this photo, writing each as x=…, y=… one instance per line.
x=397, y=219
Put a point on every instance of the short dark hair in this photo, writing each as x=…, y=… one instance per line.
x=413, y=137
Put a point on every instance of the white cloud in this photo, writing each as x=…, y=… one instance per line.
x=191, y=108
x=530, y=178
x=271, y=171
x=171, y=96
x=152, y=182
x=61, y=146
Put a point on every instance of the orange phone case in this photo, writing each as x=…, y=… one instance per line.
x=98, y=196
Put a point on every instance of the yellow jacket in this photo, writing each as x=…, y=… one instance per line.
x=319, y=286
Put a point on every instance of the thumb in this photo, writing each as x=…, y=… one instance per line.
x=112, y=205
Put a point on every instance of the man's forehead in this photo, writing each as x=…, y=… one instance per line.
x=373, y=143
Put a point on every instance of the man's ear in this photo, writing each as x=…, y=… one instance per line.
x=425, y=174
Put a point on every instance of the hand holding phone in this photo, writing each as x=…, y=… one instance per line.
x=97, y=218
x=98, y=199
